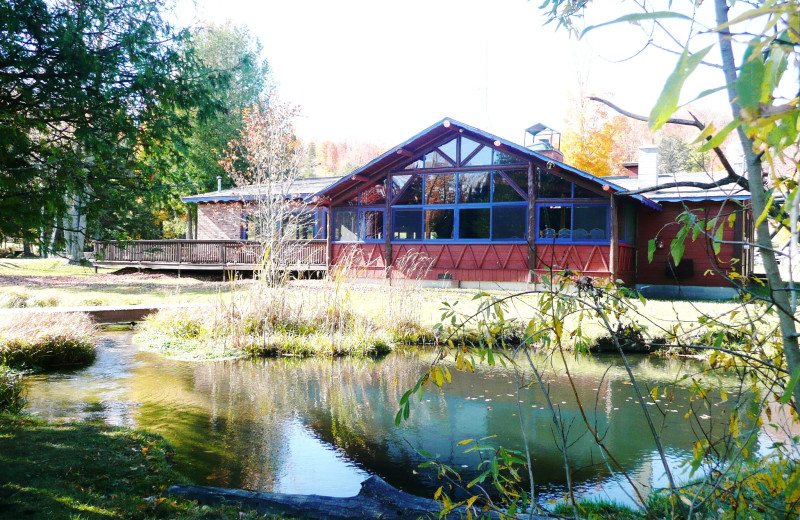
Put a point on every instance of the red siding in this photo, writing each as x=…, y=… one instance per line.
x=654, y=224
x=463, y=262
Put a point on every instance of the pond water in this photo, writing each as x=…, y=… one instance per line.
x=322, y=426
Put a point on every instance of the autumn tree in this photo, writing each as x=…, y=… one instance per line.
x=266, y=159
x=591, y=137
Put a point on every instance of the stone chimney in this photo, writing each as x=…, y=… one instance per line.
x=648, y=166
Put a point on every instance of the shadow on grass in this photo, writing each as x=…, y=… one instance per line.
x=87, y=471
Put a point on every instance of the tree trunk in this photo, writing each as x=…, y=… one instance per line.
x=779, y=296
x=376, y=500
x=75, y=228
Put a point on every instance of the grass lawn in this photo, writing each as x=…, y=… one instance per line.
x=53, y=283
x=90, y=471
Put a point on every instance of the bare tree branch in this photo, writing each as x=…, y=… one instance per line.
x=738, y=179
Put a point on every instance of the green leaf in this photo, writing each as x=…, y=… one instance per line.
x=720, y=136
x=636, y=17
x=764, y=213
x=651, y=249
x=717, y=245
x=668, y=100
x=751, y=76
x=677, y=247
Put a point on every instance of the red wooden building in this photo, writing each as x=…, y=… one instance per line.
x=488, y=212
x=456, y=206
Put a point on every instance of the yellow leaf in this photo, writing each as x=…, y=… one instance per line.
x=438, y=493
x=654, y=393
x=465, y=441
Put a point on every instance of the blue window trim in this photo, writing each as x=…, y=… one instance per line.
x=457, y=222
x=572, y=204
x=320, y=222
x=455, y=207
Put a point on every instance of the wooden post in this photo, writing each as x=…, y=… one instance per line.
x=614, y=249
x=389, y=227
x=329, y=237
x=531, y=224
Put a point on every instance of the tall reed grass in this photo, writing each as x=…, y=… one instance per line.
x=44, y=340
x=262, y=319
x=11, y=399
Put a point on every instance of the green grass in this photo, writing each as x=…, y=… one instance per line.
x=44, y=267
x=90, y=471
x=600, y=510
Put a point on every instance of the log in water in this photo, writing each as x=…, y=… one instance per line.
x=376, y=500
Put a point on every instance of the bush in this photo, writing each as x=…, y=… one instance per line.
x=630, y=339
x=11, y=399
x=13, y=300
x=46, y=340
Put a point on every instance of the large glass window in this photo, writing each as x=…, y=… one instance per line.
x=439, y=224
x=475, y=187
x=474, y=223
x=509, y=222
x=408, y=224
x=582, y=193
x=555, y=222
x=345, y=227
x=464, y=206
x=355, y=225
x=373, y=195
x=573, y=222
x=412, y=192
x=450, y=148
x=440, y=189
x=552, y=186
x=371, y=225
x=503, y=190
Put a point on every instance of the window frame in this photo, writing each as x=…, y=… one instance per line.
x=456, y=206
x=360, y=224
x=571, y=204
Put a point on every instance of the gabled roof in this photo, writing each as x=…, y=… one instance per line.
x=299, y=189
x=417, y=144
x=688, y=193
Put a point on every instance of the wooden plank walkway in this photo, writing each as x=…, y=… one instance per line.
x=103, y=315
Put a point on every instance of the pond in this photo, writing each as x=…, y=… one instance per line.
x=321, y=426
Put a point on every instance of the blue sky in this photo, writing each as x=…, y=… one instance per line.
x=382, y=70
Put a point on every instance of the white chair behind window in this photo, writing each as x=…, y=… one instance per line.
x=564, y=233
x=597, y=233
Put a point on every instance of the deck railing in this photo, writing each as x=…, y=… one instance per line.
x=309, y=253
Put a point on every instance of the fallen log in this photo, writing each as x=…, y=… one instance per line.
x=377, y=500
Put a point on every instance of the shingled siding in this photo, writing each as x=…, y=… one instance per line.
x=219, y=221
x=699, y=252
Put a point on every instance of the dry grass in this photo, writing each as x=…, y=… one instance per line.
x=45, y=340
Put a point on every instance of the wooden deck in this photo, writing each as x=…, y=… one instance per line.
x=209, y=255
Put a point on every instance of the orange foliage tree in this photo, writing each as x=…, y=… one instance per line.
x=590, y=141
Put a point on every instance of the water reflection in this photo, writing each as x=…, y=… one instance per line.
x=322, y=426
